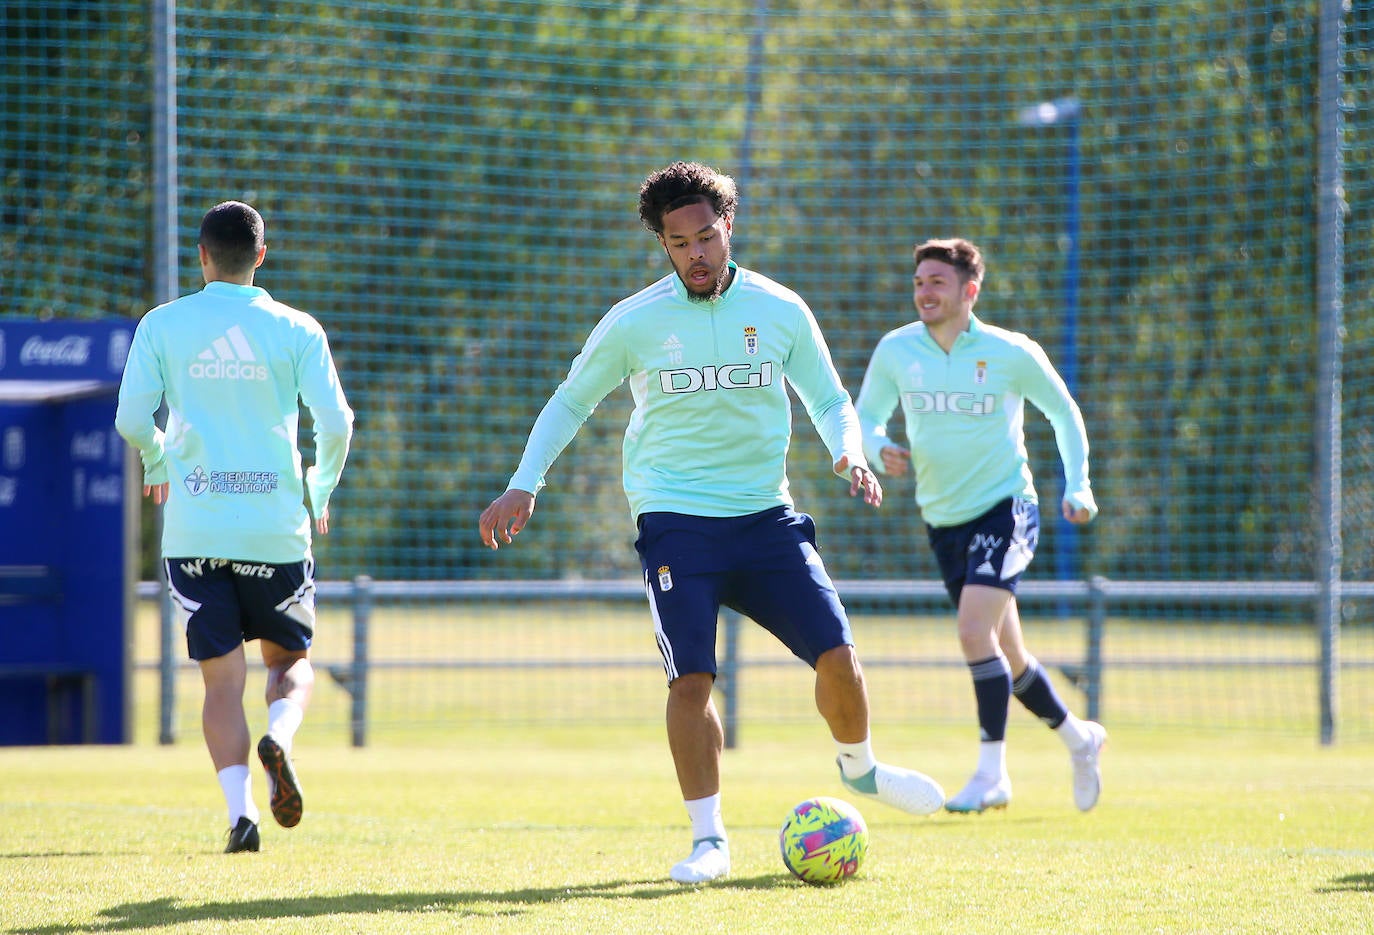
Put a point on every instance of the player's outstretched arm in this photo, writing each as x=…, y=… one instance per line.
x=506, y=516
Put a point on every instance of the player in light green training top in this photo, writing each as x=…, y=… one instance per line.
x=962, y=386
x=233, y=366
x=709, y=351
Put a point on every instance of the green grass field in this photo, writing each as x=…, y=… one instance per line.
x=501, y=794
x=571, y=829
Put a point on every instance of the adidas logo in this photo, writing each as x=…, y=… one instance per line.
x=672, y=344
x=228, y=357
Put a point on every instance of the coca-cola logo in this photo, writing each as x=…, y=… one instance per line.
x=71, y=351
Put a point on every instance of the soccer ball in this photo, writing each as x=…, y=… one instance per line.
x=823, y=840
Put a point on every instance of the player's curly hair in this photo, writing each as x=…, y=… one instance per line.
x=959, y=253
x=681, y=184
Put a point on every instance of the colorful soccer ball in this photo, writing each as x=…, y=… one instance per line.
x=824, y=840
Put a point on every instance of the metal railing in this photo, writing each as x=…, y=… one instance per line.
x=1095, y=597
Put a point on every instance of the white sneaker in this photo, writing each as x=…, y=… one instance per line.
x=1087, y=775
x=710, y=860
x=980, y=794
x=905, y=789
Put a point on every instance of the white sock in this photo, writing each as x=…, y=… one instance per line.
x=992, y=758
x=704, y=815
x=284, y=716
x=1073, y=733
x=856, y=759
x=237, y=783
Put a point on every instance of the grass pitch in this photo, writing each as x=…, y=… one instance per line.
x=573, y=829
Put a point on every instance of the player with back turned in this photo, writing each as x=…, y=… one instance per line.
x=708, y=350
x=233, y=366
x=962, y=386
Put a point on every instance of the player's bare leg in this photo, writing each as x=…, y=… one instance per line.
x=696, y=739
x=842, y=699
x=225, y=727
x=842, y=694
x=222, y=719
x=1010, y=638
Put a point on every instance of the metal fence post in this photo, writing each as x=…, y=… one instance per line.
x=1327, y=472
x=167, y=652
x=362, y=618
x=1092, y=662
x=727, y=678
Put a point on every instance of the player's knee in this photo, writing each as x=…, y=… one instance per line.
x=839, y=660
x=693, y=687
x=839, y=669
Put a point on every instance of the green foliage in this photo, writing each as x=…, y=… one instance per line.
x=452, y=192
x=74, y=159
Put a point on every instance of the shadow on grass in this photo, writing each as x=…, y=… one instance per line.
x=159, y=913
x=1350, y=883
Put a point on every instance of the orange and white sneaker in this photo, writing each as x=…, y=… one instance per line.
x=286, y=801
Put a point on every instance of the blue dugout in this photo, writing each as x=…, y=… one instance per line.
x=69, y=495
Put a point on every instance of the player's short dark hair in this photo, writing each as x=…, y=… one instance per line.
x=961, y=254
x=233, y=234
x=682, y=184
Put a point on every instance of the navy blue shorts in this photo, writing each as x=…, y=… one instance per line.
x=222, y=603
x=992, y=550
x=764, y=565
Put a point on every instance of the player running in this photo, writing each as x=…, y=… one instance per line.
x=962, y=386
x=232, y=366
x=706, y=350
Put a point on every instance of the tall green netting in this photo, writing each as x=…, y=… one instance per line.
x=452, y=192
x=74, y=99
x=1357, y=411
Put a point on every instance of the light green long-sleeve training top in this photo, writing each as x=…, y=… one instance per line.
x=712, y=419
x=965, y=414
x=231, y=364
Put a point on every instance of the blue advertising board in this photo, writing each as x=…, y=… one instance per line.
x=68, y=533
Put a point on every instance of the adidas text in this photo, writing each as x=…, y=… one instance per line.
x=227, y=370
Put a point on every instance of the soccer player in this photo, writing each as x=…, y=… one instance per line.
x=231, y=364
x=962, y=387
x=706, y=350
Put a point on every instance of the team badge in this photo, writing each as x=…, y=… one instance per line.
x=751, y=340
x=980, y=372
x=665, y=578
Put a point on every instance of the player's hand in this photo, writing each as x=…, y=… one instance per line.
x=322, y=522
x=158, y=492
x=895, y=460
x=861, y=479
x=506, y=516
x=1076, y=514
